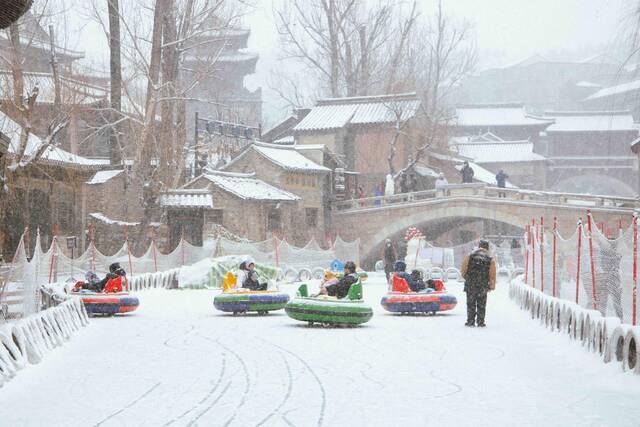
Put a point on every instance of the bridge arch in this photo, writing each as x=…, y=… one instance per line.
x=435, y=213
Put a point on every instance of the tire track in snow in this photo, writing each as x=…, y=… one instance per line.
x=207, y=396
x=208, y=408
x=247, y=379
x=171, y=338
x=323, y=393
x=145, y=394
x=287, y=394
x=457, y=386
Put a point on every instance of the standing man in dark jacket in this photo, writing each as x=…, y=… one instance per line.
x=479, y=272
x=501, y=180
x=389, y=256
x=467, y=173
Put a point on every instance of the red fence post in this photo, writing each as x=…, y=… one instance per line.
x=592, y=265
x=555, y=232
x=533, y=253
x=578, y=264
x=126, y=240
x=182, y=244
x=542, y=254
x=635, y=267
x=527, y=234
x=53, y=256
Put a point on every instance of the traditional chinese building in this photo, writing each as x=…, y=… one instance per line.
x=360, y=131
x=588, y=152
x=508, y=121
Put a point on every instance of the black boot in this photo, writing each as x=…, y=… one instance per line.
x=470, y=324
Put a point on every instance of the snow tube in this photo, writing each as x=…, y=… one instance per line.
x=615, y=350
x=107, y=304
x=418, y=302
x=245, y=301
x=350, y=311
x=631, y=350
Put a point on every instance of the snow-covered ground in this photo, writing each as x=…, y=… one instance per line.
x=179, y=362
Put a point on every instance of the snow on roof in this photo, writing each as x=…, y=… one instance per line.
x=334, y=113
x=286, y=157
x=285, y=140
x=103, y=218
x=104, y=176
x=615, y=90
x=486, y=115
x=483, y=175
x=485, y=137
x=247, y=187
x=585, y=83
x=187, y=198
x=303, y=147
x=424, y=170
x=52, y=155
x=591, y=121
x=72, y=91
x=498, y=152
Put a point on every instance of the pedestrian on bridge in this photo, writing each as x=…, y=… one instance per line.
x=501, y=180
x=441, y=185
x=467, y=173
x=479, y=272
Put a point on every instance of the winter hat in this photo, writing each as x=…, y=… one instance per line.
x=400, y=266
x=328, y=275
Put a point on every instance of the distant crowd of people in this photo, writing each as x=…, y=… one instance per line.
x=408, y=183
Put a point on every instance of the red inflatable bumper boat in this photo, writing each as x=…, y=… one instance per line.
x=402, y=300
x=112, y=300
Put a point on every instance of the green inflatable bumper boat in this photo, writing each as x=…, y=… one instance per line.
x=350, y=311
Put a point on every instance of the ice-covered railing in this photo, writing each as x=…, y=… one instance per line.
x=590, y=269
x=489, y=192
x=21, y=281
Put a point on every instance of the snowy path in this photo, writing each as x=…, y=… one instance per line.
x=178, y=362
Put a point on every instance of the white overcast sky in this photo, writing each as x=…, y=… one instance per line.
x=507, y=30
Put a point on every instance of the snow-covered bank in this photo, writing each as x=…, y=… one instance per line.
x=614, y=341
x=25, y=342
x=176, y=361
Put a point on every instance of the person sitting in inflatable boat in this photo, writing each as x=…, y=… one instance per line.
x=340, y=289
x=400, y=268
x=111, y=283
x=248, y=278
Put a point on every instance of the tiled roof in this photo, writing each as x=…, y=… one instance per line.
x=497, y=152
x=616, y=90
x=52, y=155
x=335, y=113
x=591, y=121
x=192, y=198
x=497, y=115
x=71, y=91
x=286, y=157
x=247, y=187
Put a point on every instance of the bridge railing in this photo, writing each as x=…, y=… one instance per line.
x=491, y=192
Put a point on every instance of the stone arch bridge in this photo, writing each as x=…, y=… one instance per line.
x=377, y=218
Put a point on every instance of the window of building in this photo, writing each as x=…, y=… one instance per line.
x=216, y=216
x=312, y=217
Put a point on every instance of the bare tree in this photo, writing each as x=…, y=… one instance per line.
x=440, y=54
x=346, y=44
x=115, y=73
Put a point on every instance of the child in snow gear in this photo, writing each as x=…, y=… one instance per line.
x=399, y=269
x=248, y=277
x=418, y=281
x=479, y=272
x=341, y=288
